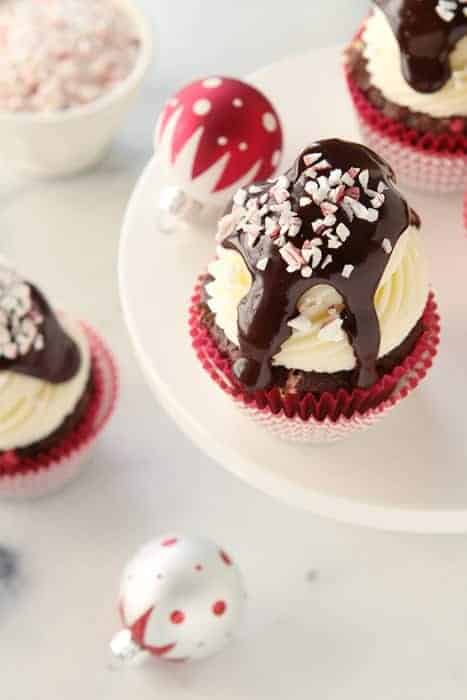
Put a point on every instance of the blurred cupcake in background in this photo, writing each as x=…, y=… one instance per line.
x=407, y=75
x=57, y=390
x=68, y=68
x=316, y=316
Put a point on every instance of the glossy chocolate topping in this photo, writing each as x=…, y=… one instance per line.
x=58, y=358
x=334, y=219
x=427, y=31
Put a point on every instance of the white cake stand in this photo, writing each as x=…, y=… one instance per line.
x=410, y=472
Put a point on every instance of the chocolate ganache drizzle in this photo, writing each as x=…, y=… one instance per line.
x=427, y=31
x=32, y=341
x=333, y=219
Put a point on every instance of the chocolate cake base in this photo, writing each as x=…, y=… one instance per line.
x=357, y=66
x=299, y=382
x=70, y=423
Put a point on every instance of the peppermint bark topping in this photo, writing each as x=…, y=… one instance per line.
x=20, y=323
x=447, y=9
x=336, y=199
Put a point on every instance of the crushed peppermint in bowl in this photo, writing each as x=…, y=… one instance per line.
x=69, y=72
x=61, y=54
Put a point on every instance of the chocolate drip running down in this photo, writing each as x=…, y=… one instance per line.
x=427, y=31
x=353, y=250
x=58, y=360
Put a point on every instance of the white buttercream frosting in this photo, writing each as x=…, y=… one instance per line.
x=31, y=409
x=384, y=67
x=318, y=342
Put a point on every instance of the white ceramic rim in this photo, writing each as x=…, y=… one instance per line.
x=146, y=35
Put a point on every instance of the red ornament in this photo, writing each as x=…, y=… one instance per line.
x=216, y=135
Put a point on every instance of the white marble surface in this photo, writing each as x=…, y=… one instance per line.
x=384, y=615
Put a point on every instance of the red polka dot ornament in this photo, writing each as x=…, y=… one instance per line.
x=213, y=137
x=181, y=599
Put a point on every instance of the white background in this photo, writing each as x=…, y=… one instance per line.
x=383, y=617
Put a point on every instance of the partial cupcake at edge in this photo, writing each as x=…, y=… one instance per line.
x=57, y=390
x=316, y=315
x=407, y=75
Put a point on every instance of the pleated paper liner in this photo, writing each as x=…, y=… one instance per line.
x=427, y=162
x=317, y=418
x=49, y=471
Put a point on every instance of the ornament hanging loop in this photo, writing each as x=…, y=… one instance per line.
x=125, y=651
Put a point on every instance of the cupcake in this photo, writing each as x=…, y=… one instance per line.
x=57, y=390
x=407, y=74
x=316, y=316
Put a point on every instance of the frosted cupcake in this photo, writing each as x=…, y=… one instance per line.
x=316, y=316
x=407, y=74
x=57, y=389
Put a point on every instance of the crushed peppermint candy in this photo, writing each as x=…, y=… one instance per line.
x=386, y=245
x=347, y=271
x=59, y=54
x=275, y=210
x=447, y=9
x=19, y=322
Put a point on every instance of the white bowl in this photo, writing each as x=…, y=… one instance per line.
x=51, y=144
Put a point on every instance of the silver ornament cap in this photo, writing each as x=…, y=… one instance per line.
x=176, y=207
x=126, y=651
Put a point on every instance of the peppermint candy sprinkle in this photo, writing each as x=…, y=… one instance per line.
x=19, y=321
x=447, y=9
x=273, y=210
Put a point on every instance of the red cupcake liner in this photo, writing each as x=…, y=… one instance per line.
x=52, y=469
x=317, y=418
x=429, y=162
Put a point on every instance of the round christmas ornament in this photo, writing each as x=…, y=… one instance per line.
x=181, y=599
x=214, y=136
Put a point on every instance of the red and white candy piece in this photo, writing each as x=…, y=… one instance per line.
x=181, y=599
x=215, y=136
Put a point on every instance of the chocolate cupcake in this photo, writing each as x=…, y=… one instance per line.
x=52, y=389
x=407, y=74
x=316, y=315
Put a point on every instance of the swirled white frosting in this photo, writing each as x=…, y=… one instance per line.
x=318, y=342
x=31, y=409
x=384, y=66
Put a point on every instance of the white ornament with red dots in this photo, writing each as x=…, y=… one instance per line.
x=216, y=135
x=181, y=599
